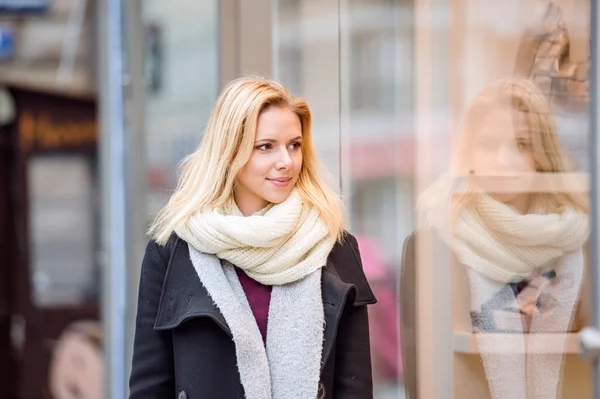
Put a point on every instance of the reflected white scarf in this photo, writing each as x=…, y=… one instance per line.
x=498, y=242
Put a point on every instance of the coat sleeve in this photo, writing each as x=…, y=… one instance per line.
x=152, y=373
x=353, y=375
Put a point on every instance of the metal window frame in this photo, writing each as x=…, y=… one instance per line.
x=121, y=92
x=595, y=198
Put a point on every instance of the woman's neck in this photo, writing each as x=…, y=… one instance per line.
x=247, y=201
x=249, y=208
x=521, y=203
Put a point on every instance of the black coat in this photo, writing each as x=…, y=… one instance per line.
x=183, y=347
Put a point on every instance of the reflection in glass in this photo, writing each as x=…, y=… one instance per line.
x=522, y=241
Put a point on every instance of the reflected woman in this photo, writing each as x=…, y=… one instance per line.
x=519, y=232
x=250, y=287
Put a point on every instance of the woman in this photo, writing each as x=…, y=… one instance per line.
x=512, y=222
x=250, y=287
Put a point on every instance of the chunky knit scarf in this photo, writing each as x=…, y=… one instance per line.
x=281, y=244
x=285, y=245
x=498, y=242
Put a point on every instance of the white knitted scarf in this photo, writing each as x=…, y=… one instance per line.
x=498, y=242
x=281, y=244
x=284, y=245
x=504, y=245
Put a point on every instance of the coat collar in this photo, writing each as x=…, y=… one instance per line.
x=183, y=297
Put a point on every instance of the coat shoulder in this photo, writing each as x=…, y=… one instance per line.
x=157, y=257
x=347, y=265
x=165, y=250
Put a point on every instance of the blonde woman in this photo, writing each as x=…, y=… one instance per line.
x=520, y=233
x=250, y=286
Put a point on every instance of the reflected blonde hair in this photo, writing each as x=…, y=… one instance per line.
x=519, y=94
x=207, y=176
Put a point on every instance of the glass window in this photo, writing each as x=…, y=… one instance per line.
x=377, y=182
x=182, y=63
x=351, y=60
x=306, y=48
x=433, y=113
x=458, y=134
x=502, y=127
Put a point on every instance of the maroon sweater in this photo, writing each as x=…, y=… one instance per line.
x=259, y=297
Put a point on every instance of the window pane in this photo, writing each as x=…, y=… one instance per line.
x=351, y=61
x=306, y=47
x=183, y=76
x=377, y=154
x=502, y=127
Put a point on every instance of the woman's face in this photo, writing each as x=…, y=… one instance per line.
x=274, y=166
x=502, y=158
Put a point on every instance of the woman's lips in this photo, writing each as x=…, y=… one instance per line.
x=281, y=181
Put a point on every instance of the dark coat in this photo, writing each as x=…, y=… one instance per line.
x=183, y=347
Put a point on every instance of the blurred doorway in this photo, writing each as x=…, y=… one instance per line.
x=52, y=273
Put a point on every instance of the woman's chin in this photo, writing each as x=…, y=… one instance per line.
x=276, y=195
x=277, y=198
x=503, y=197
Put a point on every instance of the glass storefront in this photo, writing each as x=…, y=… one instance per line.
x=458, y=132
x=395, y=87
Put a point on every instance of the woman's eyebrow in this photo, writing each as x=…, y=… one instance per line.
x=275, y=141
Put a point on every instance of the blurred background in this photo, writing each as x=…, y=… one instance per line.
x=101, y=99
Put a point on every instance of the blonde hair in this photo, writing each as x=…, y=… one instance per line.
x=523, y=95
x=207, y=176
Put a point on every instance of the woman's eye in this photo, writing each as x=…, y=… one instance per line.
x=296, y=145
x=524, y=146
x=264, y=147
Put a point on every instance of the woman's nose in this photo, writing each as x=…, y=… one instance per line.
x=506, y=155
x=284, y=161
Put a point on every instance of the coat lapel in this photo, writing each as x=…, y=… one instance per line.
x=183, y=296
